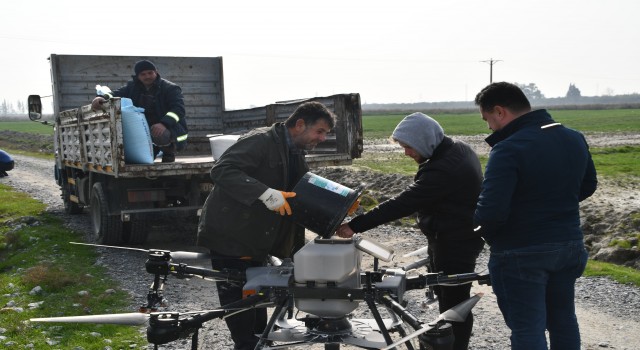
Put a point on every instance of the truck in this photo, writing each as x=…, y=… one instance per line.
x=121, y=198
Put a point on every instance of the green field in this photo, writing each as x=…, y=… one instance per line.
x=620, y=162
x=27, y=126
x=613, y=120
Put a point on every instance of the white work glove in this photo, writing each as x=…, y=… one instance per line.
x=277, y=200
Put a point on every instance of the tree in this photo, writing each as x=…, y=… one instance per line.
x=573, y=92
x=531, y=91
x=608, y=92
x=4, y=109
x=20, y=108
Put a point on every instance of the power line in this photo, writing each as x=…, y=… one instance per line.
x=491, y=63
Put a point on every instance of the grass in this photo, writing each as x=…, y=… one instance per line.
x=615, y=120
x=27, y=126
x=38, y=254
x=618, y=273
x=622, y=163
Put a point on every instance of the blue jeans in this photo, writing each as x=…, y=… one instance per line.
x=535, y=288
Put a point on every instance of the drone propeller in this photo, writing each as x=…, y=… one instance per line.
x=129, y=319
x=174, y=255
x=457, y=313
x=417, y=252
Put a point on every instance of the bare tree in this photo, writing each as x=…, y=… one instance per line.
x=4, y=109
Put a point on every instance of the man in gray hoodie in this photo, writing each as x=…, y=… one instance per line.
x=444, y=195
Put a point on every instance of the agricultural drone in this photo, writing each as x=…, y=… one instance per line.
x=313, y=302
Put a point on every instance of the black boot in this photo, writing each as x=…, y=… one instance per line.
x=168, y=157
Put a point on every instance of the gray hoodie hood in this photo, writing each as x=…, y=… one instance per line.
x=420, y=132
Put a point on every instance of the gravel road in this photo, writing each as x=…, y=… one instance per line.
x=607, y=311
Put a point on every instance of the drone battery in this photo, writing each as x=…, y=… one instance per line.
x=327, y=263
x=320, y=204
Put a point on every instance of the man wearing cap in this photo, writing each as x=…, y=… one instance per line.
x=163, y=108
x=444, y=195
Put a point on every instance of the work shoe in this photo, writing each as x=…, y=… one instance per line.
x=168, y=158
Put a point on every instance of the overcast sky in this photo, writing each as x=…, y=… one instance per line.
x=388, y=51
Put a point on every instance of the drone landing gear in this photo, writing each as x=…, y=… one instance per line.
x=334, y=326
x=331, y=332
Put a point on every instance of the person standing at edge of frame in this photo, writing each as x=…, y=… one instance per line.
x=528, y=213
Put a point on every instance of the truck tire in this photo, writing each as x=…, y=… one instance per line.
x=107, y=229
x=136, y=230
x=70, y=207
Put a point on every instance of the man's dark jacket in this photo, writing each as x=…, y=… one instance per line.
x=444, y=194
x=168, y=108
x=538, y=172
x=234, y=221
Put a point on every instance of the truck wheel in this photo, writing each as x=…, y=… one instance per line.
x=107, y=229
x=70, y=207
x=136, y=230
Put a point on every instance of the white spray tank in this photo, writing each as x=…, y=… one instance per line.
x=327, y=263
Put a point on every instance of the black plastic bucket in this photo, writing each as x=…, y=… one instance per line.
x=320, y=204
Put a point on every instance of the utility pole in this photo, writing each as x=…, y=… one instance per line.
x=491, y=63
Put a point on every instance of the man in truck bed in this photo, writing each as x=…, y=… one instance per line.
x=163, y=108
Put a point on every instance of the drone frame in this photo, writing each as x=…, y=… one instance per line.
x=379, y=287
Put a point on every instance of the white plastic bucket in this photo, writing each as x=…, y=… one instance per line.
x=220, y=143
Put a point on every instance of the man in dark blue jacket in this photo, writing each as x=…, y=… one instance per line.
x=444, y=195
x=163, y=108
x=528, y=212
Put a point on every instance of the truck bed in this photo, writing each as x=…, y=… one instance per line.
x=183, y=165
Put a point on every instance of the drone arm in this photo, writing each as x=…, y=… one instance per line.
x=432, y=279
x=277, y=313
x=369, y=298
x=246, y=303
x=457, y=279
x=417, y=264
x=196, y=321
x=401, y=311
x=183, y=270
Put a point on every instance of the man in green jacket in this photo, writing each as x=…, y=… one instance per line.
x=243, y=219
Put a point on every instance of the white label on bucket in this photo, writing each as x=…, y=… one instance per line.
x=329, y=185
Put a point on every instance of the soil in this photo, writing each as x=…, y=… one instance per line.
x=607, y=311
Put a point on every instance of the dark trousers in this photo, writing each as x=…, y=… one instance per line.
x=244, y=325
x=535, y=287
x=453, y=257
x=165, y=143
x=4, y=167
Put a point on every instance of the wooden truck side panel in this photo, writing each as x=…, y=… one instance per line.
x=74, y=78
x=344, y=142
